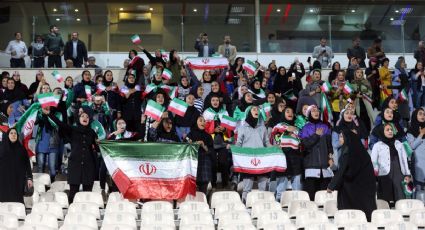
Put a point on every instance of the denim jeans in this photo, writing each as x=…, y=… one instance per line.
x=41, y=160
x=282, y=184
x=248, y=183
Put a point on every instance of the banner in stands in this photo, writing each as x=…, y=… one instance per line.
x=258, y=160
x=205, y=63
x=151, y=170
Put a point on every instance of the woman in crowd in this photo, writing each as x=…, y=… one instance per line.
x=417, y=76
x=294, y=157
x=198, y=92
x=15, y=168
x=239, y=112
x=390, y=165
x=401, y=82
x=388, y=117
x=135, y=66
x=34, y=86
x=253, y=134
x=316, y=138
x=372, y=75
x=175, y=67
x=354, y=179
x=280, y=81
x=183, y=88
x=257, y=92
x=416, y=139
x=336, y=67
x=163, y=131
x=131, y=104
x=338, y=98
x=385, y=78
x=80, y=95
x=183, y=124
x=363, y=99
x=199, y=136
x=150, y=124
x=16, y=76
x=312, y=89
x=224, y=98
x=112, y=96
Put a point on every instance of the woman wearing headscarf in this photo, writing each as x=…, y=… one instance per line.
x=372, y=75
x=354, y=180
x=183, y=88
x=245, y=102
x=131, y=104
x=34, y=86
x=386, y=80
x=220, y=155
x=363, y=101
x=294, y=157
x=16, y=76
x=336, y=67
x=388, y=116
x=183, y=124
x=280, y=81
x=15, y=168
x=199, y=136
x=390, y=102
x=150, y=125
x=253, y=134
x=338, y=98
x=316, y=138
x=83, y=159
x=312, y=89
x=416, y=139
x=417, y=75
x=135, y=66
x=277, y=113
x=400, y=82
x=163, y=132
x=80, y=95
x=224, y=98
x=390, y=165
x=112, y=96
x=175, y=67
x=198, y=92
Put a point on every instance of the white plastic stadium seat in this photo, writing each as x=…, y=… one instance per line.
x=122, y=207
x=89, y=197
x=30, y=201
x=158, y=227
x=364, y=226
x=219, y=197
x=119, y=219
x=39, y=187
x=85, y=219
x=322, y=196
x=197, y=227
x=258, y=196
x=193, y=206
x=234, y=218
x=116, y=227
x=347, y=217
x=90, y=208
x=35, y=227
x=42, y=178
x=76, y=227
x=115, y=197
x=272, y=217
x=307, y=217
x=289, y=196
x=299, y=205
x=15, y=208
x=8, y=220
x=59, y=197
x=226, y=207
x=274, y=226
x=401, y=226
x=196, y=218
x=261, y=207
x=154, y=218
x=330, y=207
x=48, y=207
x=157, y=206
x=45, y=219
x=324, y=226
x=417, y=217
x=239, y=226
x=381, y=217
x=59, y=186
x=382, y=204
x=199, y=196
x=408, y=205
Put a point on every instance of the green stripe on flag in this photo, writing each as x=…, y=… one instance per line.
x=267, y=151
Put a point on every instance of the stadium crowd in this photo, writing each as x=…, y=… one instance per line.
x=362, y=125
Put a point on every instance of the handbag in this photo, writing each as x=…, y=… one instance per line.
x=27, y=190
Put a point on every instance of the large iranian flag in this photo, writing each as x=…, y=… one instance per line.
x=207, y=63
x=258, y=160
x=25, y=125
x=152, y=170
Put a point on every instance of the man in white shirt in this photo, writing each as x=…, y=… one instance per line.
x=18, y=50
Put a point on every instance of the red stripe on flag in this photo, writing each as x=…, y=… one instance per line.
x=206, y=67
x=227, y=126
x=26, y=146
x=4, y=128
x=176, y=111
x=258, y=171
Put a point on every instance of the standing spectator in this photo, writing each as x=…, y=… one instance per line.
x=76, y=50
x=228, y=51
x=372, y=75
x=174, y=65
x=204, y=48
x=135, y=66
x=336, y=67
x=18, y=50
x=37, y=52
x=54, y=47
x=376, y=50
x=92, y=63
x=323, y=53
x=15, y=168
x=416, y=76
x=420, y=52
x=357, y=52
x=386, y=79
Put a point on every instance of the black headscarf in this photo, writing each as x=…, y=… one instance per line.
x=253, y=89
x=161, y=133
x=276, y=116
x=312, y=120
x=381, y=135
x=289, y=122
x=220, y=105
x=250, y=120
x=357, y=125
x=7, y=147
x=385, y=105
x=188, y=83
x=189, y=118
x=130, y=85
x=244, y=104
x=106, y=82
x=415, y=124
x=197, y=134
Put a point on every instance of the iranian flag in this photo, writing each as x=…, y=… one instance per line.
x=152, y=170
x=48, y=99
x=173, y=92
x=178, y=107
x=258, y=160
x=250, y=67
x=348, y=88
x=87, y=89
x=166, y=74
x=136, y=39
x=326, y=109
x=164, y=54
x=228, y=122
x=267, y=108
x=326, y=87
x=100, y=88
x=57, y=76
x=25, y=125
x=291, y=96
x=367, y=98
x=149, y=88
x=403, y=95
x=407, y=148
x=201, y=63
x=287, y=141
x=154, y=110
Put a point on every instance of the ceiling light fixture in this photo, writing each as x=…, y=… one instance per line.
x=151, y=9
x=76, y=10
x=121, y=9
x=397, y=11
x=278, y=10
x=58, y=19
x=311, y=10
x=353, y=11
x=195, y=10
x=392, y=19
x=54, y=10
x=78, y=19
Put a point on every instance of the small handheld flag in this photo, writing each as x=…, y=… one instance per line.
x=87, y=89
x=167, y=74
x=48, y=99
x=136, y=39
x=57, y=76
x=178, y=107
x=250, y=67
x=154, y=110
x=348, y=88
x=326, y=87
x=228, y=122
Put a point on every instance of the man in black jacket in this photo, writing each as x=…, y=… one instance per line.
x=54, y=47
x=76, y=51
